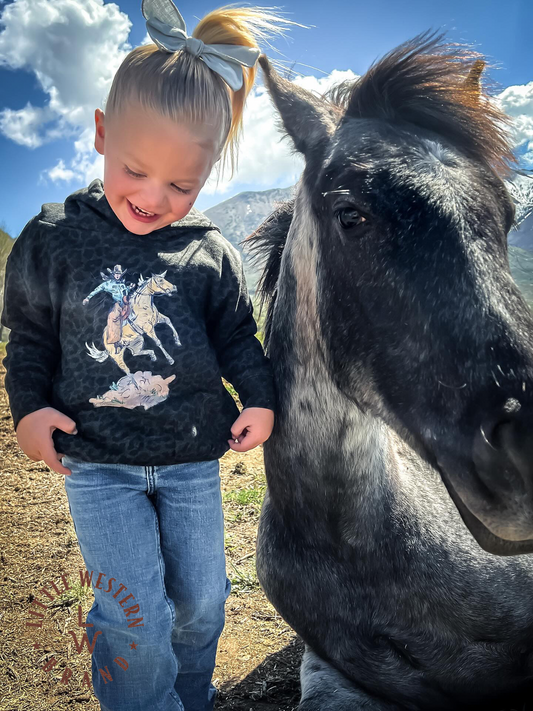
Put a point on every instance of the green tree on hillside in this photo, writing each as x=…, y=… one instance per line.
x=6, y=244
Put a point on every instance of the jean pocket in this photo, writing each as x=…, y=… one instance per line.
x=71, y=463
x=67, y=462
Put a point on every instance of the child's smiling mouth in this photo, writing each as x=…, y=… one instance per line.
x=141, y=216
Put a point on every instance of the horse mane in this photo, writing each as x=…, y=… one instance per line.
x=434, y=85
x=266, y=246
x=141, y=283
x=424, y=82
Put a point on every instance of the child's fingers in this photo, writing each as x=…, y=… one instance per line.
x=51, y=458
x=240, y=424
x=237, y=446
x=247, y=442
x=64, y=423
x=236, y=431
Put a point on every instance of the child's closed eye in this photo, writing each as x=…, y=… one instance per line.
x=139, y=175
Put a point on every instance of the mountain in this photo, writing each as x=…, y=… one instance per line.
x=241, y=215
x=523, y=236
x=521, y=263
x=521, y=190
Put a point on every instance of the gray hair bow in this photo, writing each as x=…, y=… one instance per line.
x=166, y=27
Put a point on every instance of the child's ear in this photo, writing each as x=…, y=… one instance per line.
x=99, y=131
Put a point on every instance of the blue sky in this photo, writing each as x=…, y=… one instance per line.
x=56, y=63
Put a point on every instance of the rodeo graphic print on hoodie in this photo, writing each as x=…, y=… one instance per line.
x=130, y=335
x=132, y=304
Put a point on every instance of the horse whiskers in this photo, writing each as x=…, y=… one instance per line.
x=485, y=438
x=452, y=387
x=336, y=192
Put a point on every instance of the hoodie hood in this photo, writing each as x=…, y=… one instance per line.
x=92, y=199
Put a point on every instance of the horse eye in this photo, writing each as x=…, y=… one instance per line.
x=349, y=218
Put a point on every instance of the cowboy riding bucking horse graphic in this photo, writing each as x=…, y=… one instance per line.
x=133, y=316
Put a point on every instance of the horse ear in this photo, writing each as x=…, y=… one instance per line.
x=473, y=80
x=305, y=117
x=164, y=274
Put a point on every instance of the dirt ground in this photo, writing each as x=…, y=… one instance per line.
x=258, y=654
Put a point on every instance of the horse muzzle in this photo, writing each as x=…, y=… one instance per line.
x=502, y=454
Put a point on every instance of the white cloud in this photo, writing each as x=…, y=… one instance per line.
x=22, y=126
x=267, y=159
x=517, y=102
x=59, y=172
x=74, y=48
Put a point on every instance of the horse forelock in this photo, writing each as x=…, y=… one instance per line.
x=425, y=82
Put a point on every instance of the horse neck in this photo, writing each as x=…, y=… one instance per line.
x=144, y=292
x=320, y=434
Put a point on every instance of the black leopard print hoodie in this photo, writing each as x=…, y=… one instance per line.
x=129, y=335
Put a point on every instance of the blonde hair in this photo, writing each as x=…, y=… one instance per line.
x=183, y=88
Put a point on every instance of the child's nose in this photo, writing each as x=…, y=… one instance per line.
x=154, y=201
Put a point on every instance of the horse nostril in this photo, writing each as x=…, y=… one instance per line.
x=495, y=433
x=503, y=448
x=495, y=429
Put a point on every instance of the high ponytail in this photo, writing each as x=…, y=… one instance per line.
x=249, y=27
x=183, y=88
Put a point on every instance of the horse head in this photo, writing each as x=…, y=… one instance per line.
x=160, y=285
x=395, y=259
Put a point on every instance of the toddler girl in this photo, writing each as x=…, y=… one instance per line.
x=126, y=306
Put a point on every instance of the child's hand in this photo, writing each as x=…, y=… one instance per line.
x=34, y=435
x=252, y=427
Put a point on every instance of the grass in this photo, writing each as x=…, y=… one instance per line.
x=243, y=579
x=76, y=594
x=229, y=387
x=245, y=503
x=242, y=506
x=259, y=316
x=246, y=497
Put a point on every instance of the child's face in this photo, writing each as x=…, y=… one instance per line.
x=170, y=163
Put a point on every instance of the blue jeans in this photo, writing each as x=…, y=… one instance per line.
x=159, y=533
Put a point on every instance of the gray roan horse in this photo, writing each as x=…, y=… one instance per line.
x=400, y=469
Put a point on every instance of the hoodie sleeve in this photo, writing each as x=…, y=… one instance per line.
x=232, y=328
x=33, y=350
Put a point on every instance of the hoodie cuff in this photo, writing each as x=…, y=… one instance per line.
x=258, y=392
x=25, y=405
